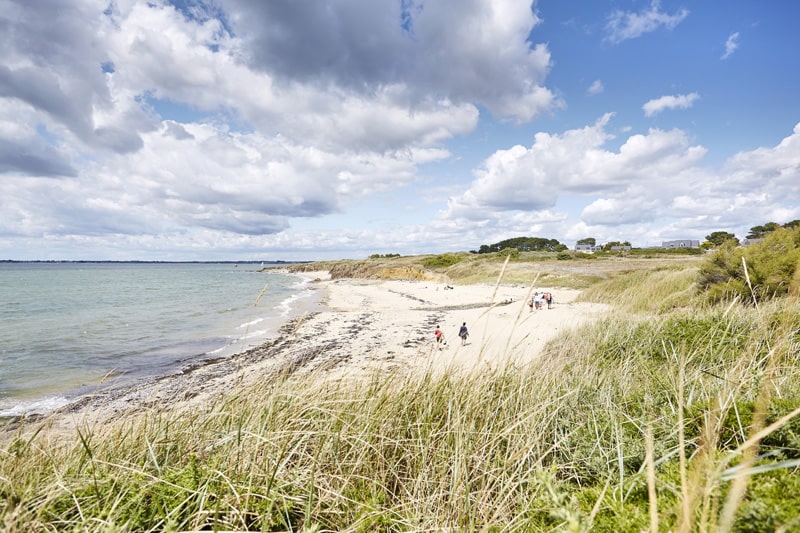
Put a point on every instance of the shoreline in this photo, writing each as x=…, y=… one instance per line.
x=354, y=328
x=71, y=331
x=119, y=390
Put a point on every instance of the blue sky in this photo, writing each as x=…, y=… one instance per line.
x=314, y=129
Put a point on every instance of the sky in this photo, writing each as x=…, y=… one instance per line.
x=329, y=129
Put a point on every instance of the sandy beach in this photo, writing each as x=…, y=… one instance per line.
x=358, y=328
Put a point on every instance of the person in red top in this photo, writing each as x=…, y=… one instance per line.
x=439, y=337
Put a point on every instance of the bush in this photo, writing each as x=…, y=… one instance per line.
x=772, y=267
x=443, y=260
x=509, y=252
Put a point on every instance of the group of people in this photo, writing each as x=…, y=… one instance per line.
x=539, y=299
x=463, y=333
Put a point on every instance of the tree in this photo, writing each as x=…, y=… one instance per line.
x=773, y=268
x=759, y=232
x=591, y=241
x=792, y=224
x=523, y=244
x=607, y=246
x=717, y=238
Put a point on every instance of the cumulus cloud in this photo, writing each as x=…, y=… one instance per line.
x=630, y=184
x=654, y=186
x=731, y=44
x=624, y=25
x=677, y=101
x=60, y=75
x=237, y=118
x=617, y=211
x=196, y=125
x=575, y=162
x=468, y=51
x=33, y=159
x=775, y=169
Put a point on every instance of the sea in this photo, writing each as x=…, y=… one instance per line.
x=68, y=328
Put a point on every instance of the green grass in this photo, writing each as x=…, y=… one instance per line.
x=651, y=419
x=641, y=291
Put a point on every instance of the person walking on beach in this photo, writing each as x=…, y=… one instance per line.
x=439, y=337
x=463, y=333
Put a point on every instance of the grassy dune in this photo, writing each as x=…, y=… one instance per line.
x=670, y=415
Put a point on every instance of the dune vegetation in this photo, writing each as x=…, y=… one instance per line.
x=677, y=412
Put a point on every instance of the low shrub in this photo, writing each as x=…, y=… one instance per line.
x=442, y=260
x=513, y=253
x=759, y=272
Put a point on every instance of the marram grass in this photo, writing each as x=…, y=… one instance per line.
x=676, y=421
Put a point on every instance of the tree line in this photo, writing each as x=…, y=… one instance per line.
x=535, y=244
x=718, y=238
x=591, y=241
x=523, y=244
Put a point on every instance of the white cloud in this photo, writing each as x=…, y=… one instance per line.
x=632, y=186
x=468, y=51
x=142, y=127
x=731, y=44
x=596, y=87
x=624, y=25
x=617, y=211
x=772, y=169
x=575, y=162
x=296, y=147
x=677, y=101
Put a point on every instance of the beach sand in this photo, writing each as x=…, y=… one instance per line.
x=360, y=327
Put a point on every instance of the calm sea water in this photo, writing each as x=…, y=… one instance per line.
x=67, y=327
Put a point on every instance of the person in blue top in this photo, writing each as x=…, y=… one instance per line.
x=463, y=333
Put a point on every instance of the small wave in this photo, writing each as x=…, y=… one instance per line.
x=255, y=333
x=35, y=407
x=251, y=323
x=301, y=284
x=286, y=305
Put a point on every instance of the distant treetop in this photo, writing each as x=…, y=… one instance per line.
x=759, y=232
x=524, y=244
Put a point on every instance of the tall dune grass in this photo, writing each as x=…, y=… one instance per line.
x=647, y=291
x=673, y=421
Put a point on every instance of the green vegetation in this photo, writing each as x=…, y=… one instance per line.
x=564, y=256
x=718, y=238
x=675, y=413
x=443, y=260
x=609, y=245
x=649, y=291
x=761, y=271
x=761, y=231
x=523, y=244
